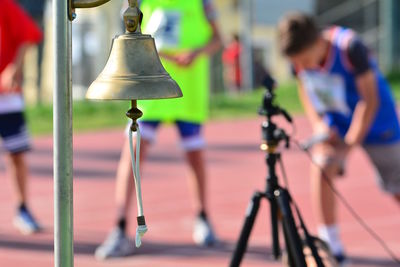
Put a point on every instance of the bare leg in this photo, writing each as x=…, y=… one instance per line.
x=322, y=196
x=195, y=159
x=203, y=234
x=124, y=183
x=18, y=172
x=322, y=178
x=23, y=220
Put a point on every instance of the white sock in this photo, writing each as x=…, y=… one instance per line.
x=330, y=234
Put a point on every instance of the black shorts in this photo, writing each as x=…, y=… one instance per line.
x=13, y=132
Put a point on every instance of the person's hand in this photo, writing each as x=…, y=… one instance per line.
x=333, y=139
x=186, y=58
x=347, y=147
x=332, y=136
x=11, y=78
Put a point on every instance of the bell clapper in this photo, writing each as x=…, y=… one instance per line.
x=134, y=113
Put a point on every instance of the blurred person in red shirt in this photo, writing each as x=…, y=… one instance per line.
x=231, y=60
x=17, y=32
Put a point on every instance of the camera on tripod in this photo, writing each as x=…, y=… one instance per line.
x=271, y=134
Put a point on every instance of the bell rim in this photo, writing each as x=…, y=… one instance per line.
x=102, y=93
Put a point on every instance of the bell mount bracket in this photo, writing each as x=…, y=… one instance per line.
x=132, y=16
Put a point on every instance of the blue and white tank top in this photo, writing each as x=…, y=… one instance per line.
x=333, y=92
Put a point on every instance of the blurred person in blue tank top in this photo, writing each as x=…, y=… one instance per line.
x=346, y=99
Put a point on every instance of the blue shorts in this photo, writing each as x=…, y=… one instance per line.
x=190, y=133
x=13, y=132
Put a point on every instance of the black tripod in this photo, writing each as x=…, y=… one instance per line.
x=278, y=197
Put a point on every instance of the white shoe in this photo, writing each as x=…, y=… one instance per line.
x=203, y=234
x=25, y=222
x=117, y=244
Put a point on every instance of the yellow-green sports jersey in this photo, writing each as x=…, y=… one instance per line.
x=179, y=26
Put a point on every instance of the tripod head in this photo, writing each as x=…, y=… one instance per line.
x=271, y=134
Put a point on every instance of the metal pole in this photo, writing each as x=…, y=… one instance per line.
x=62, y=133
x=246, y=55
x=386, y=53
x=396, y=36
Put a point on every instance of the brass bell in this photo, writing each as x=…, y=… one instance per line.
x=133, y=70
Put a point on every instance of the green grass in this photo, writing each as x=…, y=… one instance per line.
x=247, y=104
x=89, y=115
x=394, y=80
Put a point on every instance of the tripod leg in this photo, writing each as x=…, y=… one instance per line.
x=276, y=249
x=251, y=214
x=292, y=237
x=290, y=250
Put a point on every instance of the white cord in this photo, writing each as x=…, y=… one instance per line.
x=141, y=229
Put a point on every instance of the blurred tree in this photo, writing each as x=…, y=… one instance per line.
x=35, y=8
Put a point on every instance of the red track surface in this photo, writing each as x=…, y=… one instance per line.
x=236, y=169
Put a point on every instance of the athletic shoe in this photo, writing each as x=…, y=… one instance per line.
x=203, y=234
x=25, y=222
x=341, y=259
x=117, y=244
